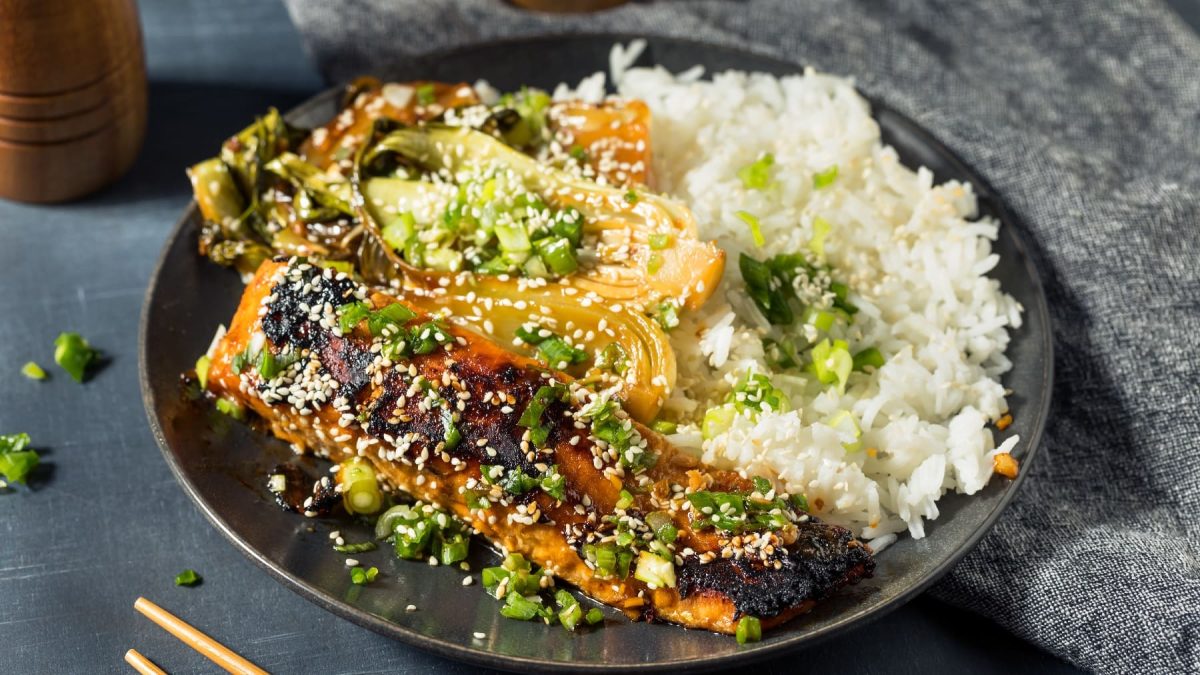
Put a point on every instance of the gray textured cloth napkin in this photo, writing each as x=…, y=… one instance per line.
x=1085, y=117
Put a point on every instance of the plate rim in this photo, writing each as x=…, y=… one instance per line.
x=856, y=618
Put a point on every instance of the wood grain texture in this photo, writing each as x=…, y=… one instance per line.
x=72, y=96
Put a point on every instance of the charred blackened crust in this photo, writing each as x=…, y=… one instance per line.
x=823, y=559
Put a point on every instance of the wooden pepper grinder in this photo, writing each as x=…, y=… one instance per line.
x=72, y=96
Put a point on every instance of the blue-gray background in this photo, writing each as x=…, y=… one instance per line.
x=106, y=522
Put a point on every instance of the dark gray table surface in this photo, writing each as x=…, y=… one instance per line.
x=105, y=521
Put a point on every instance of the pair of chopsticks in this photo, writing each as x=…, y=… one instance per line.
x=209, y=648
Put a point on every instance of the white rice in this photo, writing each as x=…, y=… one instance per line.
x=911, y=252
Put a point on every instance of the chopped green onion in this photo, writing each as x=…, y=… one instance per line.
x=800, y=502
x=360, y=547
x=558, y=253
x=570, y=612
x=749, y=629
x=517, y=606
x=821, y=229
x=362, y=577
x=578, y=153
x=73, y=354
x=240, y=361
x=16, y=462
x=394, y=314
x=631, y=197
x=868, y=358
x=454, y=548
x=270, y=366
x=663, y=526
x=231, y=408
x=841, y=293
x=664, y=426
x=613, y=358
x=844, y=422
x=755, y=228
x=757, y=176
x=659, y=241
x=529, y=336
x=531, y=417
x=832, y=362
x=187, y=578
x=453, y=437
x=202, y=365
x=818, y=318
x=825, y=178
x=781, y=355
x=425, y=95
x=350, y=315
x=556, y=351
x=668, y=316
x=360, y=488
x=761, y=485
x=717, y=421
x=624, y=499
x=767, y=290
x=594, y=616
x=654, y=264
x=33, y=371
x=654, y=570
x=755, y=393
x=554, y=483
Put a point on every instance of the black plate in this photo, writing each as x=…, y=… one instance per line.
x=223, y=466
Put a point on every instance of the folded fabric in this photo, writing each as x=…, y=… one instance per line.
x=1084, y=116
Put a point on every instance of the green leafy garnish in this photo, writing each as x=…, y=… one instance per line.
x=667, y=316
x=664, y=426
x=420, y=530
x=757, y=176
x=33, y=371
x=187, y=578
x=825, y=178
x=821, y=229
x=613, y=429
x=531, y=418
x=74, y=354
x=754, y=392
x=362, y=577
x=231, y=408
x=832, y=363
x=16, y=461
x=553, y=349
x=755, y=228
x=749, y=629
x=425, y=95
x=202, y=365
x=737, y=512
x=868, y=358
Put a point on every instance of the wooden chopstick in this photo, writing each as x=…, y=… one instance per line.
x=142, y=664
x=214, y=651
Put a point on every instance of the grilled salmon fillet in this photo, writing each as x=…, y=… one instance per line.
x=358, y=393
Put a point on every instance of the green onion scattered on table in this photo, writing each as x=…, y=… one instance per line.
x=187, y=578
x=73, y=354
x=15, y=460
x=33, y=371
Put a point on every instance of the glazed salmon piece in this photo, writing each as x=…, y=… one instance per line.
x=362, y=394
